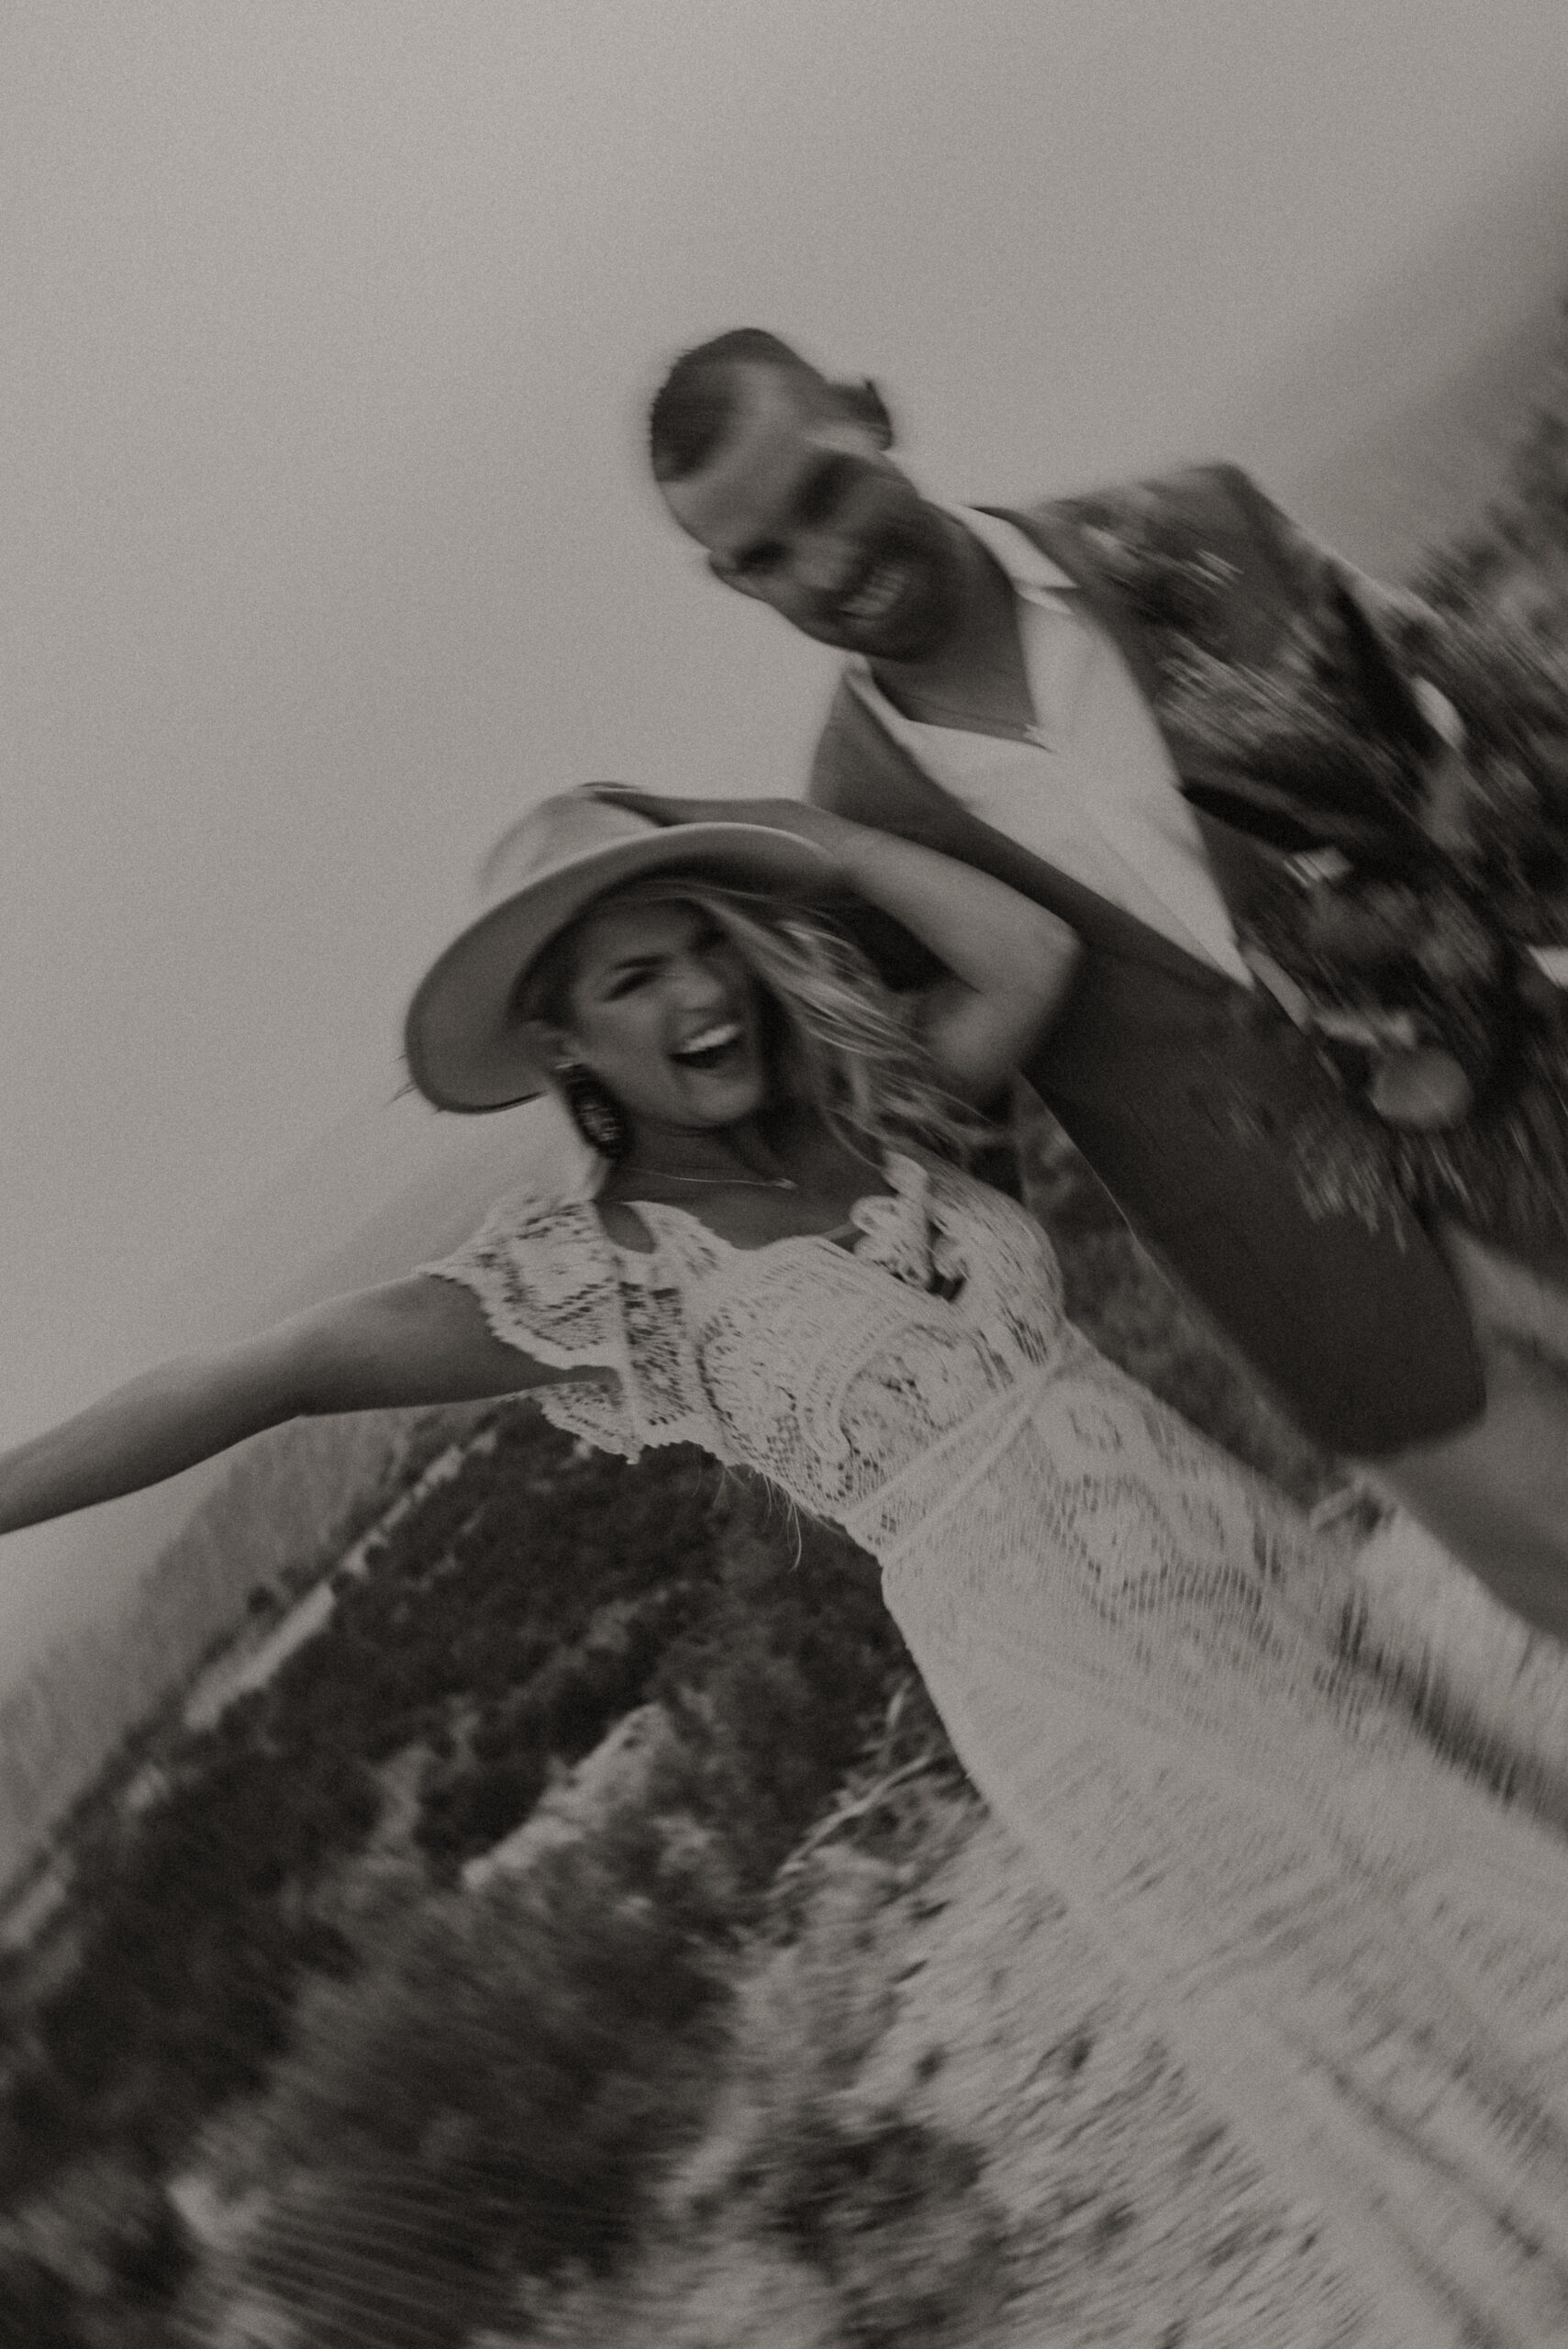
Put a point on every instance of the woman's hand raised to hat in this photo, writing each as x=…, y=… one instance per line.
x=818, y=825
x=1008, y=962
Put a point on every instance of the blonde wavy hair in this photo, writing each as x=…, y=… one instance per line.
x=842, y=1041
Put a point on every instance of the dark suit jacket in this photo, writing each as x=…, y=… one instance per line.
x=1170, y=1077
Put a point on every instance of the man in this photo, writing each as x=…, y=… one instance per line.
x=1019, y=693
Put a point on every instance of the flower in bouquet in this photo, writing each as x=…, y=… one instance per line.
x=1418, y=883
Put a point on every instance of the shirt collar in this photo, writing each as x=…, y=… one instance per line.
x=1031, y=572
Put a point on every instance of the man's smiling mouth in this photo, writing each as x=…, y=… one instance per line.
x=875, y=596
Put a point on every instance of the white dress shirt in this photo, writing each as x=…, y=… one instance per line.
x=1090, y=789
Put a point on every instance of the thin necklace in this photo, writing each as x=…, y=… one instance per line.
x=975, y=720
x=733, y=1182
x=992, y=672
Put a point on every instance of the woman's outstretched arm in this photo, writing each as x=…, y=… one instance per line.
x=418, y=1341
x=1008, y=962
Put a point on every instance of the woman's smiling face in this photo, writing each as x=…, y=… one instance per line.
x=664, y=1009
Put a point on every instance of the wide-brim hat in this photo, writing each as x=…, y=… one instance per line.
x=465, y=1046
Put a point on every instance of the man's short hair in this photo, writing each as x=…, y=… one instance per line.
x=696, y=404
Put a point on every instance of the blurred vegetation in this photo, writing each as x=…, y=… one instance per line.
x=294, y=1889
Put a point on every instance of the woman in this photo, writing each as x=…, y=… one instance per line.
x=1354, y=1948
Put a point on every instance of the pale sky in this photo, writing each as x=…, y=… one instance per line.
x=327, y=545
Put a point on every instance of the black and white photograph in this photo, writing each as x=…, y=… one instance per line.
x=784, y=1010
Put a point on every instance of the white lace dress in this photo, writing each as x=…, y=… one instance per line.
x=1355, y=1951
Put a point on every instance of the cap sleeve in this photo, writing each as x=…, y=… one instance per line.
x=549, y=1284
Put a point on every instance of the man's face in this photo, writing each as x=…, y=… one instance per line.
x=802, y=508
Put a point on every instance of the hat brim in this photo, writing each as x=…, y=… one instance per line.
x=463, y=1041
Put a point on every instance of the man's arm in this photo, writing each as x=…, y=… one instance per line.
x=1313, y=571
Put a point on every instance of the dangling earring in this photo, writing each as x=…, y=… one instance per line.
x=596, y=1114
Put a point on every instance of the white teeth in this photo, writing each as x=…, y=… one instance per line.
x=711, y=1039
x=877, y=596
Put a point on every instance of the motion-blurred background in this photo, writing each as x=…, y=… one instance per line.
x=328, y=546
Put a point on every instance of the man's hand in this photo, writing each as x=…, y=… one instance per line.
x=817, y=825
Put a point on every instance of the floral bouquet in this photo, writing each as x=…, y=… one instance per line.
x=1413, y=913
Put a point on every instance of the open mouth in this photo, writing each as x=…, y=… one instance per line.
x=876, y=595
x=714, y=1047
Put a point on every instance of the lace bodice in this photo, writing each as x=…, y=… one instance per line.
x=832, y=1369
